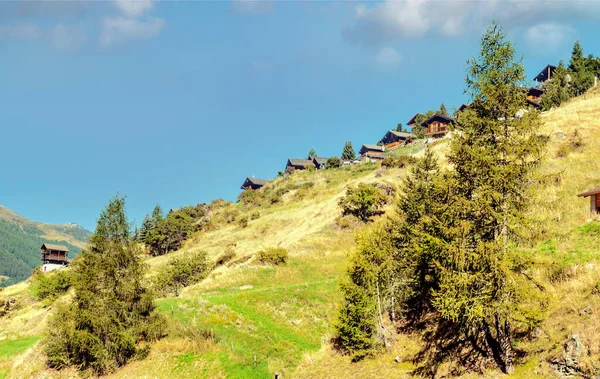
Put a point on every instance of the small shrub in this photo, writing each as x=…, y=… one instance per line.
x=363, y=201
x=563, y=150
x=181, y=272
x=255, y=215
x=275, y=256
x=398, y=162
x=243, y=221
x=346, y=222
x=333, y=162
x=558, y=273
x=48, y=286
x=228, y=255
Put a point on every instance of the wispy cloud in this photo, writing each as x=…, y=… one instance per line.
x=396, y=20
x=547, y=38
x=67, y=38
x=252, y=6
x=388, y=58
x=120, y=30
x=135, y=8
x=25, y=31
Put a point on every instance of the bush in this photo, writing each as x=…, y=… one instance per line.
x=363, y=201
x=181, y=272
x=398, y=162
x=51, y=285
x=275, y=256
x=243, y=221
x=228, y=255
x=333, y=162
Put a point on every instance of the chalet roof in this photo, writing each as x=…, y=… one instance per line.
x=439, y=117
x=461, y=108
x=537, y=92
x=412, y=121
x=534, y=104
x=374, y=154
x=401, y=134
x=299, y=162
x=366, y=148
x=256, y=181
x=543, y=75
x=595, y=191
x=50, y=246
x=320, y=160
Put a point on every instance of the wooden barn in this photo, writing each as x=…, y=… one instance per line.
x=253, y=183
x=372, y=156
x=299, y=164
x=594, y=196
x=319, y=162
x=54, y=256
x=371, y=148
x=393, y=138
x=437, y=126
x=545, y=74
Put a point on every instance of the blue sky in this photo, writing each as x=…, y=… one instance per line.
x=175, y=103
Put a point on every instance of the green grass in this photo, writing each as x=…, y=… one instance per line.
x=9, y=348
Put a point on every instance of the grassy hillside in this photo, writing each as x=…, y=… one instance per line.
x=249, y=320
x=20, y=241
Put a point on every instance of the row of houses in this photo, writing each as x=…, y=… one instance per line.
x=435, y=127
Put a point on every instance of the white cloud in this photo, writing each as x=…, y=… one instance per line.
x=394, y=20
x=19, y=32
x=135, y=8
x=64, y=38
x=548, y=37
x=120, y=30
x=388, y=58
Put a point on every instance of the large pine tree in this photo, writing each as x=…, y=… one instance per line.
x=348, y=153
x=113, y=312
x=493, y=154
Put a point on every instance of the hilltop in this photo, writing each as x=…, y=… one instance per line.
x=249, y=320
x=20, y=241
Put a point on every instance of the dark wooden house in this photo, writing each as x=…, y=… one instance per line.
x=319, y=162
x=413, y=120
x=299, y=164
x=545, y=74
x=54, y=256
x=594, y=196
x=371, y=148
x=437, y=126
x=392, y=138
x=253, y=183
x=460, y=109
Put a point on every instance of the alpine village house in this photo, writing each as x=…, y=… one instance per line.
x=253, y=183
x=54, y=257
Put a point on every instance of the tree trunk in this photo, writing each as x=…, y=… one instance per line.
x=500, y=344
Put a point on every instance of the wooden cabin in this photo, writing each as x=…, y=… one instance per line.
x=545, y=74
x=319, y=162
x=54, y=256
x=372, y=156
x=253, y=183
x=535, y=94
x=299, y=164
x=413, y=121
x=460, y=109
x=393, y=138
x=594, y=196
x=371, y=148
x=437, y=126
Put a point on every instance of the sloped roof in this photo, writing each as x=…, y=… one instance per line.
x=372, y=148
x=257, y=181
x=595, y=191
x=401, y=134
x=300, y=162
x=543, y=75
x=320, y=160
x=439, y=117
x=537, y=92
x=412, y=120
x=50, y=246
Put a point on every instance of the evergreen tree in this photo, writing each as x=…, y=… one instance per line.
x=348, y=153
x=112, y=311
x=556, y=91
x=399, y=127
x=493, y=156
x=443, y=110
x=582, y=77
x=311, y=154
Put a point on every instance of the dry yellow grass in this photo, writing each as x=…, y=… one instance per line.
x=299, y=300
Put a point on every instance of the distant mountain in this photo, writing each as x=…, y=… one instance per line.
x=21, y=239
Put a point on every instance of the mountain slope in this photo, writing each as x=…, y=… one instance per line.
x=249, y=320
x=20, y=241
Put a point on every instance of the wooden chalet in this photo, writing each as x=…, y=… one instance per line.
x=437, y=126
x=545, y=74
x=372, y=156
x=594, y=196
x=413, y=120
x=319, y=162
x=253, y=183
x=460, y=109
x=54, y=256
x=299, y=164
x=371, y=148
x=393, y=138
